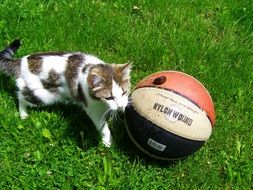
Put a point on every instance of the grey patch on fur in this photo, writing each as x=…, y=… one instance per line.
x=53, y=82
x=11, y=49
x=16, y=67
x=86, y=67
x=29, y=96
x=10, y=66
x=35, y=64
x=71, y=73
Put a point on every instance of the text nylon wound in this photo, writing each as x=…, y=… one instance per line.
x=172, y=113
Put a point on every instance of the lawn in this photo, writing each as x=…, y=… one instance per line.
x=58, y=148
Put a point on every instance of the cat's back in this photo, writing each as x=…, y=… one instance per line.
x=54, y=71
x=40, y=63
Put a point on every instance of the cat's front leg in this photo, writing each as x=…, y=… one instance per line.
x=97, y=111
x=106, y=135
x=101, y=125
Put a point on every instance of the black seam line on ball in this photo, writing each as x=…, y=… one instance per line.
x=178, y=93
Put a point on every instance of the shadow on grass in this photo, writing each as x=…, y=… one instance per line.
x=7, y=84
x=80, y=127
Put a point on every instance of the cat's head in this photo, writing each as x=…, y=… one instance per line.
x=110, y=84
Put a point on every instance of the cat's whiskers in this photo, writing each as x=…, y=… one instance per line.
x=116, y=117
x=113, y=114
x=104, y=117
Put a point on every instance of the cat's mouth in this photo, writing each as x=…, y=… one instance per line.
x=118, y=109
x=114, y=114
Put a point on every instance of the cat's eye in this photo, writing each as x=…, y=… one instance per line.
x=124, y=92
x=110, y=98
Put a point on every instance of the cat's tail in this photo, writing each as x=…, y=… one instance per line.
x=9, y=65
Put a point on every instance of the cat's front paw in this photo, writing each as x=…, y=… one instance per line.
x=107, y=141
x=106, y=135
x=23, y=115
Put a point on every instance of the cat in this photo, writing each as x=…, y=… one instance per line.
x=63, y=77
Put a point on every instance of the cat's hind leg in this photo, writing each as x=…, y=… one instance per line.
x=25, y=99
x=22, y=105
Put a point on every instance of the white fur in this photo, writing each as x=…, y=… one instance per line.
x=20, y=83
x=106, y=135
x=90, y=59
x=120, y=101
x=46, y=96
x=57, y=63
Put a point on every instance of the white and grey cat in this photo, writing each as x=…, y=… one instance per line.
x=52, y=77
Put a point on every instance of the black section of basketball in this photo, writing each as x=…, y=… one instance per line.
x=141, y=130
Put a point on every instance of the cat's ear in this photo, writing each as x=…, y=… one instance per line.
x=125, y=70
x=95, y=81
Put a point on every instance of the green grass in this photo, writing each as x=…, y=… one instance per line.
x=58, y=148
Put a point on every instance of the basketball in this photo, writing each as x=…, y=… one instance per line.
x=170, y=115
